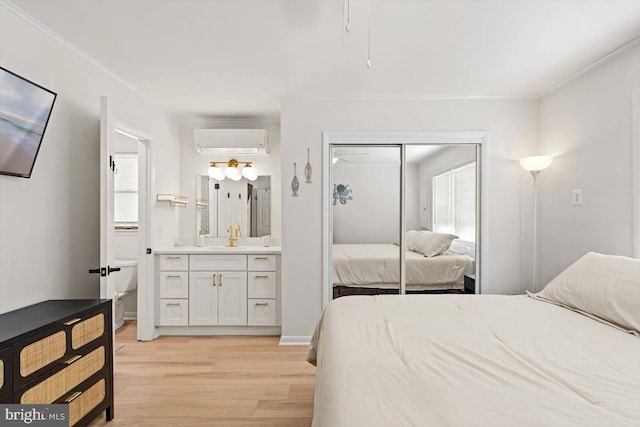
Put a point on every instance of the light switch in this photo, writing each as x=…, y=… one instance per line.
x=577, y=197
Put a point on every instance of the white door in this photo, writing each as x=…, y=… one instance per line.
x=203, y=298
x=107, y=168
x=264, y=212
x=232, y=298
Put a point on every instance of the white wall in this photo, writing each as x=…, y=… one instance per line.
x=373, y=216
x=512, y=130
x=49, y=224
x=444, y=160
x=587, y=125
x=192, y=164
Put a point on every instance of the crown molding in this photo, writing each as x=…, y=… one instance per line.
x=414, y=97
x=602, y=60
x=185, y=118
x=11, y=7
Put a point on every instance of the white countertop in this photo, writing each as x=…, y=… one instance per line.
x=218, y=250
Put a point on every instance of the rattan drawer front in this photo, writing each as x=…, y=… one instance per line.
x=42, y=352
x=87, y=331
x=61, y=382
x=85, y=402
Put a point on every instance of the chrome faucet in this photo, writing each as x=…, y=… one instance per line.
x=232, y=238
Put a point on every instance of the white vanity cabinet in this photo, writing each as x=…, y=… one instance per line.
x=217, y=297
x=202, y=292
x=173, y=290
x=262, y=293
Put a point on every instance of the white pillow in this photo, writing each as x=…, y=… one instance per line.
x=429, y=243
x=605, y=286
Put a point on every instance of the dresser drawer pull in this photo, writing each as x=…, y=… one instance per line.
x=73, y=397
x=262, y=277
x=174, y=257
x=220, y=283
x=260, y=257
x=213, y=279
x=172, y=303
x=262, y=303
x=72, y=321
x=70, y=360
x=174, y=276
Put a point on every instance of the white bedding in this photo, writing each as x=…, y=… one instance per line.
x=377, y=265
x=467, y=360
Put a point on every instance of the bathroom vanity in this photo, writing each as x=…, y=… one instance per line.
x=218, y=290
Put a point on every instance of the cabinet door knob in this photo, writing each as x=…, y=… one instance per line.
x=213, y=279
x=220, y=279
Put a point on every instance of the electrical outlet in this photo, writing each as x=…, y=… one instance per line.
x=577, y=197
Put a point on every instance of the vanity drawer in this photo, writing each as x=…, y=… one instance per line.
x=261, y=284
x=174, y=284
x=262, y=262
x=174, y=262
x=218, y=262
x=174, y=312
x=261, y=312
x=5, y=372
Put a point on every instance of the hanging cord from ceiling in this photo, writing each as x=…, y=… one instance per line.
x=346, y=19
x=369, y=39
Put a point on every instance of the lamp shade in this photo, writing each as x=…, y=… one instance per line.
x=535, y=163
x=249, y=172
x=216, y=173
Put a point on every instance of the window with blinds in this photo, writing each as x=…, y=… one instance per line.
x=126, y=192
x=454, y=202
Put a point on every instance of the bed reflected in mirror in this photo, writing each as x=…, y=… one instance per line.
x=440, y=219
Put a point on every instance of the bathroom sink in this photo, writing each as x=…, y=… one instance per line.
x=224, y=248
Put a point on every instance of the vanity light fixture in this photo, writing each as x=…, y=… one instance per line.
x=232, y=170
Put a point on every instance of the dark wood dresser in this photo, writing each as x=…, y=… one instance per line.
x=59, y=351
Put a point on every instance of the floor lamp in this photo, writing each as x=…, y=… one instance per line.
x=535, y=164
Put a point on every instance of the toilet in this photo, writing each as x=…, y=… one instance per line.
x=126, y=281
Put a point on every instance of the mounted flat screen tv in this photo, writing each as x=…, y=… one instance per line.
x=25, y=108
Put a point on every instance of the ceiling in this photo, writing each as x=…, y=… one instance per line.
x=237, y=58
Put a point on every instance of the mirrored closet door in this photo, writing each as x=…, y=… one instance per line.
x=438, y=211
x=365, y=209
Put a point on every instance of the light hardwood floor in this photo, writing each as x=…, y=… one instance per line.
x=210, y=381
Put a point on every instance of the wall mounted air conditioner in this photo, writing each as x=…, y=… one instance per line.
x=231, y=141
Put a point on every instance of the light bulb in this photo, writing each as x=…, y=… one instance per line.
x=249, y=173
x=216, y=173
x=233, y=173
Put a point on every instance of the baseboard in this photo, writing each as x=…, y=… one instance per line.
x=295, y=340
x=219, y=330
x=130, y=315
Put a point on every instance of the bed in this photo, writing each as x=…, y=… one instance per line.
x=375, y=267
x=484, y=360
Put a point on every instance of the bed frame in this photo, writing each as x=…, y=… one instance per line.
x=342, y=291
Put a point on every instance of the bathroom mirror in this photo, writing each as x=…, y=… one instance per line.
x=227, y=202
